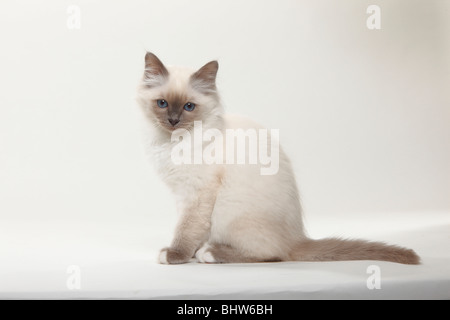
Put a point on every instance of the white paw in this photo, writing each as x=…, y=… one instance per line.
x=203, y=254
x=163, y=257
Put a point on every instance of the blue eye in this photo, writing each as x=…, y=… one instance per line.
x=162, y=103
x=189, y=106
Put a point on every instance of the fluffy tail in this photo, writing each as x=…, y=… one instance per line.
x=335, y=249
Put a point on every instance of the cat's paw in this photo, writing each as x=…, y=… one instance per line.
x=172, y=256
x=204, y=255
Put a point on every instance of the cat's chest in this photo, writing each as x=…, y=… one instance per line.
x=179, y=177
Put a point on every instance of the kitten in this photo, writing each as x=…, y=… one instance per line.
x=231, y=212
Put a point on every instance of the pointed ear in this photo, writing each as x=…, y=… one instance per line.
x=204, y=79
x=155, y=71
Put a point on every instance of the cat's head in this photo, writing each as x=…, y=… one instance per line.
x=174, y=97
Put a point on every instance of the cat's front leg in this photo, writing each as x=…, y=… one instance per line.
x=192, y=231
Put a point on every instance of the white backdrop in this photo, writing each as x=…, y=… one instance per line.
x=364, y=114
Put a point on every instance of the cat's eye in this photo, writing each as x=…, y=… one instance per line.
x=162, y=103
x=189, y=106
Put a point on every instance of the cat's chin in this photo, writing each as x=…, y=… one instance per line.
x=170, y=129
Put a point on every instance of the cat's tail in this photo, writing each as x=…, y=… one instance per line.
x=335, y=249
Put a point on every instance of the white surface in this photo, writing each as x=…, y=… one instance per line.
x=363, y=115
x=119, y=261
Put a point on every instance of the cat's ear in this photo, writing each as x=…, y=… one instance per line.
x=155, y=71
x=204, y=79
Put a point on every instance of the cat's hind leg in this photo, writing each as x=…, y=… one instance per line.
x=222, y=253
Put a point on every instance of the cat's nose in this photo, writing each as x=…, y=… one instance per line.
x=173, y=122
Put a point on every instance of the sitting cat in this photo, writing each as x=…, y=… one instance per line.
x=231, y=212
